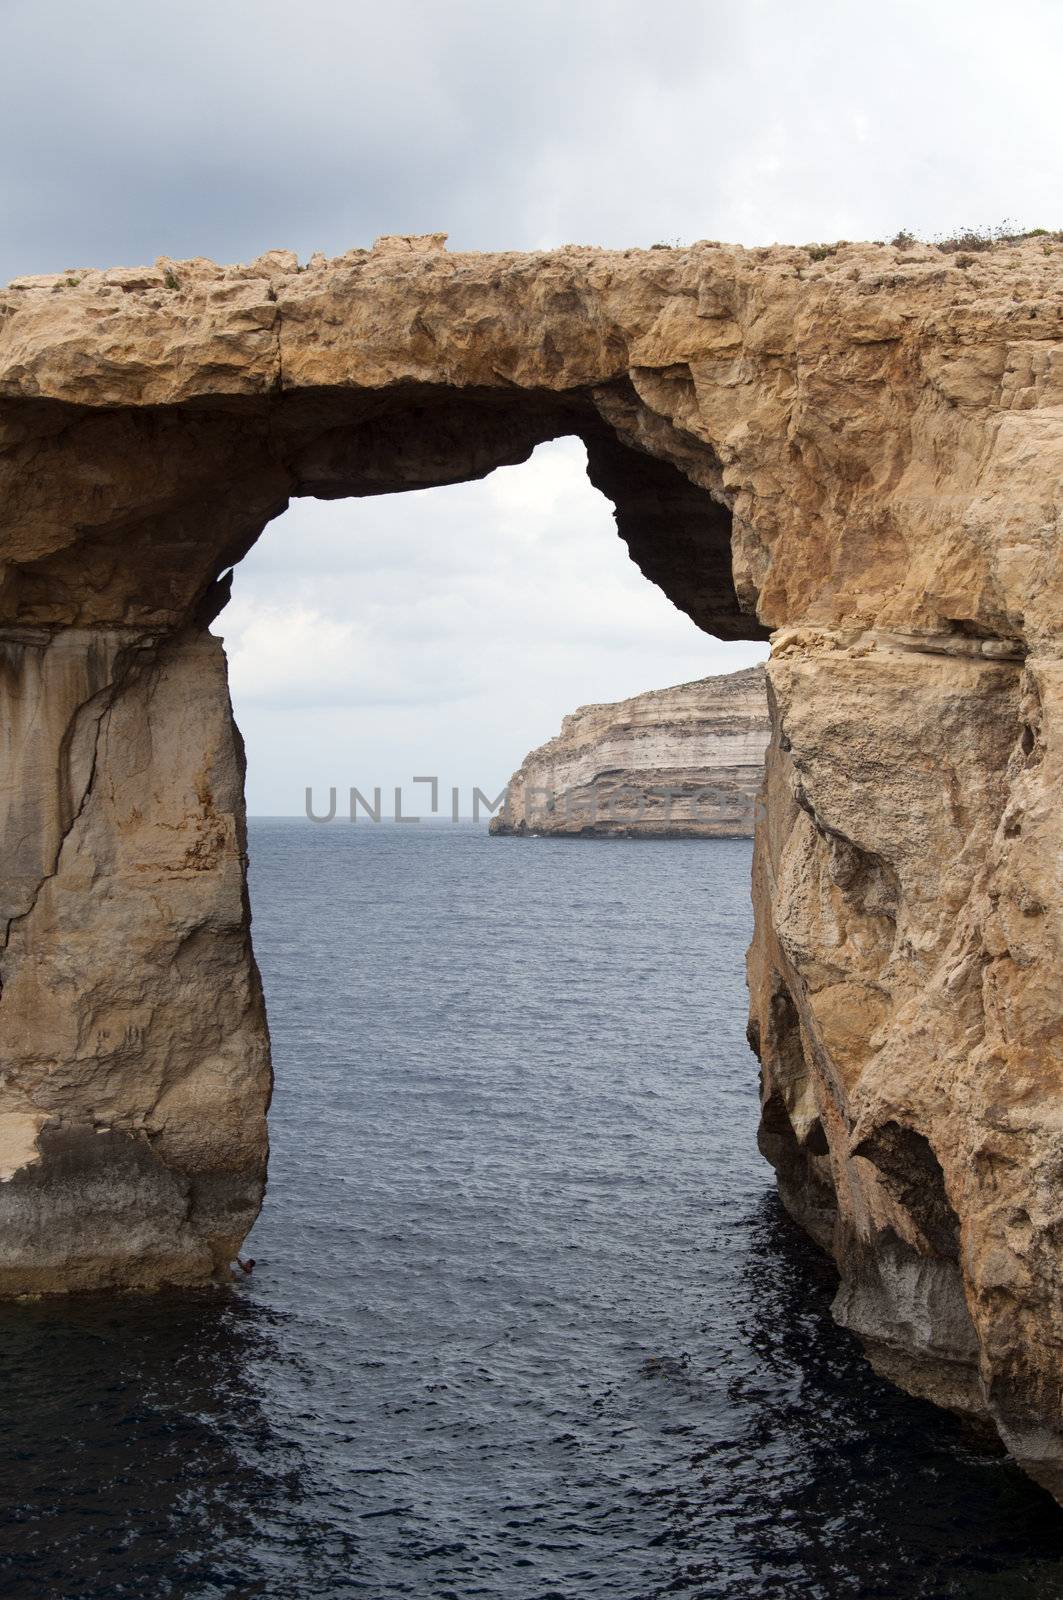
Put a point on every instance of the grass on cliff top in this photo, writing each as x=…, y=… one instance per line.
x=965, y=243
x=975, y=239
x=971, y=240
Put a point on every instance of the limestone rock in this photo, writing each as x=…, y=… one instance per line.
x=673, y=763
x=858, y=453
x=133, y=1028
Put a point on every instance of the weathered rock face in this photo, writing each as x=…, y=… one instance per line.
x=135, y=1054
x=681, y=763
x=859, y=455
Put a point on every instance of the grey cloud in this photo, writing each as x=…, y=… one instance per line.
x=222, y=129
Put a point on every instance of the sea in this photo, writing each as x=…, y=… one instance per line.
x=526, y=1320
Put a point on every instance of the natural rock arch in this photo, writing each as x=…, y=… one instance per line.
x=857, y=453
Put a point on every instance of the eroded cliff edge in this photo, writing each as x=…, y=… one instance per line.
x=856, y=451
x=678, y=763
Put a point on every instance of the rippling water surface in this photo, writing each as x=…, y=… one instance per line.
x=526, y=1321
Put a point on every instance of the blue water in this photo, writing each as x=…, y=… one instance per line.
x=526, y=1321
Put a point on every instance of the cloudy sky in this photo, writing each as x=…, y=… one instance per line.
x=448, y=631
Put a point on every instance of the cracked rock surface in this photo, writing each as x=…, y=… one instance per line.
x=856, y=453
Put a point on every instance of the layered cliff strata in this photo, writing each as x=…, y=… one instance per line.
x=680, y=763
x=856, y=451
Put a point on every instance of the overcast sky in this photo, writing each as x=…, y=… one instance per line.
x=449, y=630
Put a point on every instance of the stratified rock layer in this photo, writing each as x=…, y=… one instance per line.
x=857, y=452
x=680, y=763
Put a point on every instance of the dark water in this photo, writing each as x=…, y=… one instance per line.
x=526, y=1320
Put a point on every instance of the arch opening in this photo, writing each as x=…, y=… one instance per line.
x=168, y=1053
x=448, y=630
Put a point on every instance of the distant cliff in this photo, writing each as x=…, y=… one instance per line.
x=684, y=762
